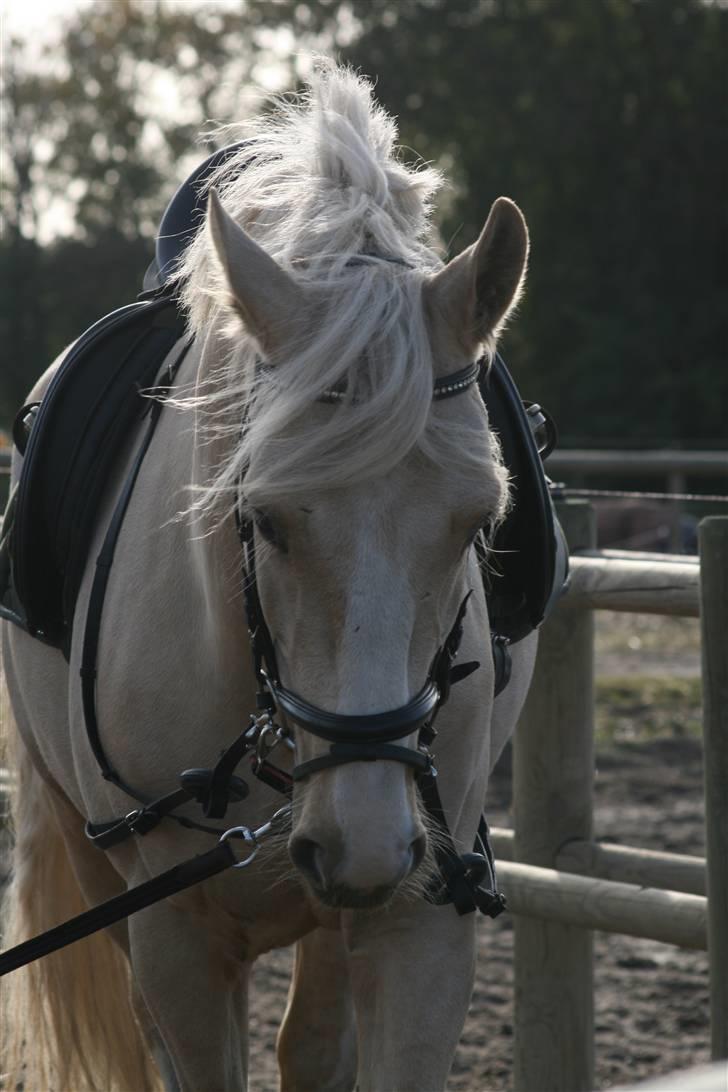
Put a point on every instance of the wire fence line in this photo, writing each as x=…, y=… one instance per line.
x=632, y=494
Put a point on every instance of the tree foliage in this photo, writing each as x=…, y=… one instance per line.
x=604, y=120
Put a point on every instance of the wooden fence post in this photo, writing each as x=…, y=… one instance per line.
x=713, y=540
x=553, y=798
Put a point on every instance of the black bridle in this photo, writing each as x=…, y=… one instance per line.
x=366, y=737
x=467, y=880
x=353, y=738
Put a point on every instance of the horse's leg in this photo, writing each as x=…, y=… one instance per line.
x=412, y=974
x=317, y=1040
x=196, y=994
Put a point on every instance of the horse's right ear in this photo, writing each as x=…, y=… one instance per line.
x=266, y=297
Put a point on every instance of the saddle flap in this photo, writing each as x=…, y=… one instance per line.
x=529, y=562
x=88, y=411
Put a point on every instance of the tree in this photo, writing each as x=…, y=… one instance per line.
x=99, y=133
x=603, y=120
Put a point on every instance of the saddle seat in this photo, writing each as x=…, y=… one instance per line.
x=72, y=441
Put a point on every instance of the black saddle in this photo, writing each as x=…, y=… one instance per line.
x=73, y=439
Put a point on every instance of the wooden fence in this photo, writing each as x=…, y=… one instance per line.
x=560, y=883
x=673, y=467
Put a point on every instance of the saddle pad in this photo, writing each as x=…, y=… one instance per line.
x=87, y=413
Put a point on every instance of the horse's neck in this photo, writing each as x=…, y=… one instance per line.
x=207, y=541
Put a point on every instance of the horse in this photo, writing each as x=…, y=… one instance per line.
x=303, y=410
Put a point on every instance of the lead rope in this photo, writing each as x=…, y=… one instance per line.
x=176, y=879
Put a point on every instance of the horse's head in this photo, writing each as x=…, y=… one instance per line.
x=364, y=492
x=360, y=581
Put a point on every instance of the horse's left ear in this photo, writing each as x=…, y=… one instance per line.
x=475, y=292
x=266, y=297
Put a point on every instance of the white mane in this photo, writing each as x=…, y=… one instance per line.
x=322, y=189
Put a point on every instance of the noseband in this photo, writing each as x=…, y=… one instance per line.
x=363, y=737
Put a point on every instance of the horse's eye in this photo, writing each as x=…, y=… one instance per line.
x=268, y=530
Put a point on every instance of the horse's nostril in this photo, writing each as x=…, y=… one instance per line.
x=307, y=857
x=418, y=849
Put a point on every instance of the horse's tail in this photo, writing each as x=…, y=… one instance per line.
x=67, y=1021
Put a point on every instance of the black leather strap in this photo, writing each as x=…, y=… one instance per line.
x=468, y=879
x=138, y=821
x=345, y=728
x=448, y=385
x=340, y=753
x=137, y=898
x=92, y=632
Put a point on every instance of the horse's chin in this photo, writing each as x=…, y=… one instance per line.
x=339, y=897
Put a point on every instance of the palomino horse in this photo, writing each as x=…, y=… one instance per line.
x=305, y=411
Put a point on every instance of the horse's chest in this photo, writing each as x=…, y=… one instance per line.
x=251, y=914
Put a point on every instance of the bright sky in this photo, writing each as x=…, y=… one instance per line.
x=36, y=18
x=38, y=23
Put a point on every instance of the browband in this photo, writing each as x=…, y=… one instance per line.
x=444, y=387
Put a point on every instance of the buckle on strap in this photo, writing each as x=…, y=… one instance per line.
x=501, y=662
x=138, y=821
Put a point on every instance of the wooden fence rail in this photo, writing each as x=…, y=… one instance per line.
x=671, y=465
x=560, y=883
x=712, y=464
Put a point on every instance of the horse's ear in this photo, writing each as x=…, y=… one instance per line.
x=266, y=297
x=475, y=292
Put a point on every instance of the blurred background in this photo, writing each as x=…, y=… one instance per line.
x=605, y=120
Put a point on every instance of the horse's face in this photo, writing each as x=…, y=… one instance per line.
x=361, y=584
x=360, y=587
